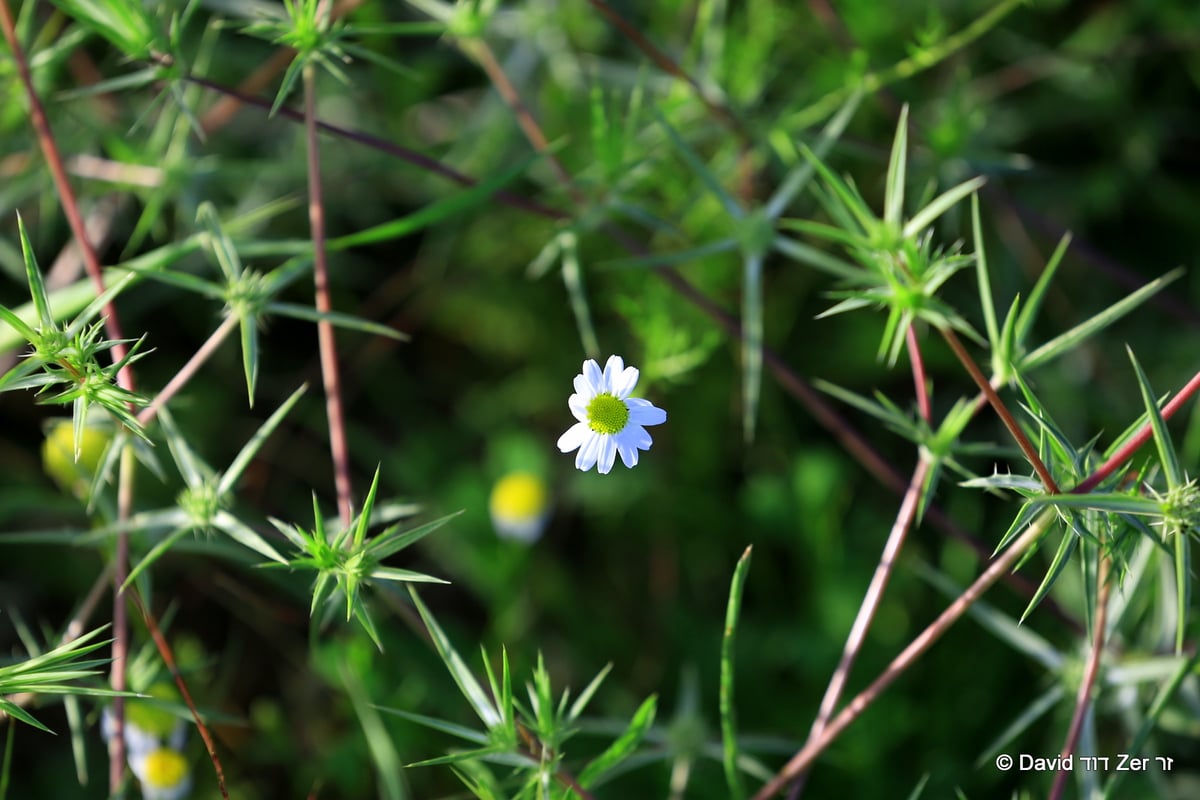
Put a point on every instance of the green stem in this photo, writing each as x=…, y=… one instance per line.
x=918, y=62
x=728, y=722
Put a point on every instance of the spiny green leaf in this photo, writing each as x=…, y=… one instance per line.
x=940, y=205
x=1162, y=440
x=1075, y=336
x=729, y=743
x=893, y=193
x=1062, y=557
x=467, y=684
x=37, y=286
x=623, y=747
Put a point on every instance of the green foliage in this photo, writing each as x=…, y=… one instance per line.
x=347, y=560
x=52, y=673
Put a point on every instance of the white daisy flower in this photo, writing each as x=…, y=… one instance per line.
x=137, y=739
x=148, y=725
x=610, y=421
x=519, y=507
x=163, y=773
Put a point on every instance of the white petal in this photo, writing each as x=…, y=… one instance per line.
x=638, y=436
x=626, y=382
x=593, y=376
x=643, y=412
x=589, y=451
x=578, y=405
x=582, y=388
x=608, y=453
x=612, y=368
x=573, y=438
x=627, y=447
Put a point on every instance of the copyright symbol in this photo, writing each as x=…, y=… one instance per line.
x=1004, y=762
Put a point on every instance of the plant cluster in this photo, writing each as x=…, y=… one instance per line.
x=689, y=196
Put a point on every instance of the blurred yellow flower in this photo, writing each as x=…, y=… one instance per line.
x=58, y=455
x=163, y=773
x=520, y=506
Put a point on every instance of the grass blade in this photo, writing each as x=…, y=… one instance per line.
x=729, y=743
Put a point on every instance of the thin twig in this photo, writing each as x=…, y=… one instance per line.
x=431, y=165
x=188, y=371
x=326, y=342
x=168, y=657
x=1003, y=563
x=1118, y=272
x=479, y=50
x=120, y=645
x=883, y=571
x=1001, y=410
x=1140, y=438
x=1090, y=673
x=112, y=327
x=920, y=382
x=66, y=195
x=870, y=603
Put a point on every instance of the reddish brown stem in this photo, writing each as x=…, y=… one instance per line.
x=185, y=374
x=1140, y=438
x=1003, y=563
x=326, y=342
x=66, y=195
x=120, y=645
x=168, y=657
x=70, y=205
x=870, y=603
x=1001, y=410
x=920, y=382
x=1090, y=673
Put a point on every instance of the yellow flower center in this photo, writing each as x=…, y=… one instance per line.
x=519, y=495
x=165, y=768
x=607, y=414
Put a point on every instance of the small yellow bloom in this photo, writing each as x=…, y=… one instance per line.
x=520, y=506
x=163, y=773
x=58, y=455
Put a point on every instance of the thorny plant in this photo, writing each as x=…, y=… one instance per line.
x=1120, y=525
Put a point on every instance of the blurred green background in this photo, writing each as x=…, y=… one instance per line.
x=1084, y=117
